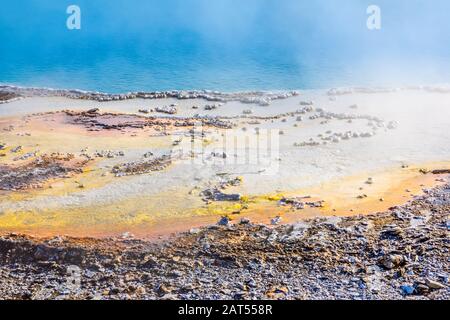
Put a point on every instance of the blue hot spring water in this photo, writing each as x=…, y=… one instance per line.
x=226, y=45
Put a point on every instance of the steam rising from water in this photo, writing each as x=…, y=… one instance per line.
x=223, y=44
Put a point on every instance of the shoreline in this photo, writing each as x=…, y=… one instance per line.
x=264, y=208
x=398, y=254
x=119, y=167
x=259, y=97
x=262, y=98
x=129, y=166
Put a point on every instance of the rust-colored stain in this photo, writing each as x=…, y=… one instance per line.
x=154, y=217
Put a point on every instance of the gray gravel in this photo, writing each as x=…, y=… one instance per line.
x=399, y=254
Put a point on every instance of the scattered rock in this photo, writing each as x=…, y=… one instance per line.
x=167, y=109
x=93, y=110
x=407, y=290
x=434, y=284
x=441, y=171
x=370, y=257
x=244, y=221
x=142, y=167
x=16, y=149
x=224, y=221
x=275, y=221
x=392, y=261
